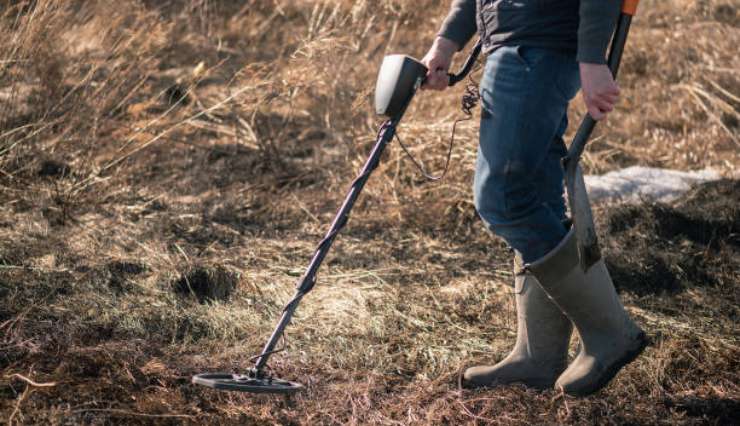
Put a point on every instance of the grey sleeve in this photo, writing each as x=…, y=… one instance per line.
x=460, y=24
x=597, y=21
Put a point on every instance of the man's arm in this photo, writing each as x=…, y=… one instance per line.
x=597, y=21
x=460, y=24
x=458, y=28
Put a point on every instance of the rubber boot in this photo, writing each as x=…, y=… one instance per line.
x=541, y=351
x=609, y=338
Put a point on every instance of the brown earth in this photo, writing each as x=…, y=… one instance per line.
x=166, y=169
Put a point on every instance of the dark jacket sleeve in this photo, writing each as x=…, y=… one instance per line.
x=460, y=24
x=597, y=21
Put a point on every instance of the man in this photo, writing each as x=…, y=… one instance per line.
x=539, y=53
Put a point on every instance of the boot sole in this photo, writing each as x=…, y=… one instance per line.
x=614, y=369
x=539, y=385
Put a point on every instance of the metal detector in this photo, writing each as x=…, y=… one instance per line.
x=399, y=78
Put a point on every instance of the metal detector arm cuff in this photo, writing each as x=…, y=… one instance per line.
x=468, y=65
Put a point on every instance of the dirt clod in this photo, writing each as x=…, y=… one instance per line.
x=126, y=268
x=656, y=248
x=54, y=168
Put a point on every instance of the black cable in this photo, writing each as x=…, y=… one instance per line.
x=263, y=354
x=470, y=100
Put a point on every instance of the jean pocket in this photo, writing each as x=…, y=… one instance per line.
x=521, y=54
x=509, y=4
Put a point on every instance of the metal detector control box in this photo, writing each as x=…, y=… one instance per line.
x=398, y=79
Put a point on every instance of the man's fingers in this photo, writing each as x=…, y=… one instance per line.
x=604, y=105
x=433, y=64
x=439, y=84
x=430, y=81
x=608, y=95
x=595, y=112
x=436, y=80
x=611, y=90
x=599, y=106
x=442, y=78
x=600, y=91
x=612, y=99
x=437, y=60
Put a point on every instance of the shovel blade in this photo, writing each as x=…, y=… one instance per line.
x=583, y=220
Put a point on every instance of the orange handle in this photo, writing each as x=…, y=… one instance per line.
x=629, y=7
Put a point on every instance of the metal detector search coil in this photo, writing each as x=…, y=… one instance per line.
x=246, y=383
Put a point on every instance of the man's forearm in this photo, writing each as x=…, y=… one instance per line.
x=460, y=23
x=596, y=25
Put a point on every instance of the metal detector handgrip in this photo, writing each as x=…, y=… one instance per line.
x=467, y=66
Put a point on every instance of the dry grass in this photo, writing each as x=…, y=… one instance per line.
x=142, y=140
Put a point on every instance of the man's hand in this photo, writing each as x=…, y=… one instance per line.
x=600, y=91
x=438, y=61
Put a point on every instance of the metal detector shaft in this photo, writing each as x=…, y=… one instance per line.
x=307, y=281
x=399, y=78
x=405, y=92
x=580, y=207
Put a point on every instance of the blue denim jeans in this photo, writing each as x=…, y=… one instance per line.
x=518, y=185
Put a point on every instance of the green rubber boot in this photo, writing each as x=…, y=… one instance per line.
x=541, y=351
x=609, y=338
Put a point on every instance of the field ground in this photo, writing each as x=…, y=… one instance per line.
x=166, y=169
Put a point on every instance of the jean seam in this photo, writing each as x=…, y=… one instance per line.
x=521, y=126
